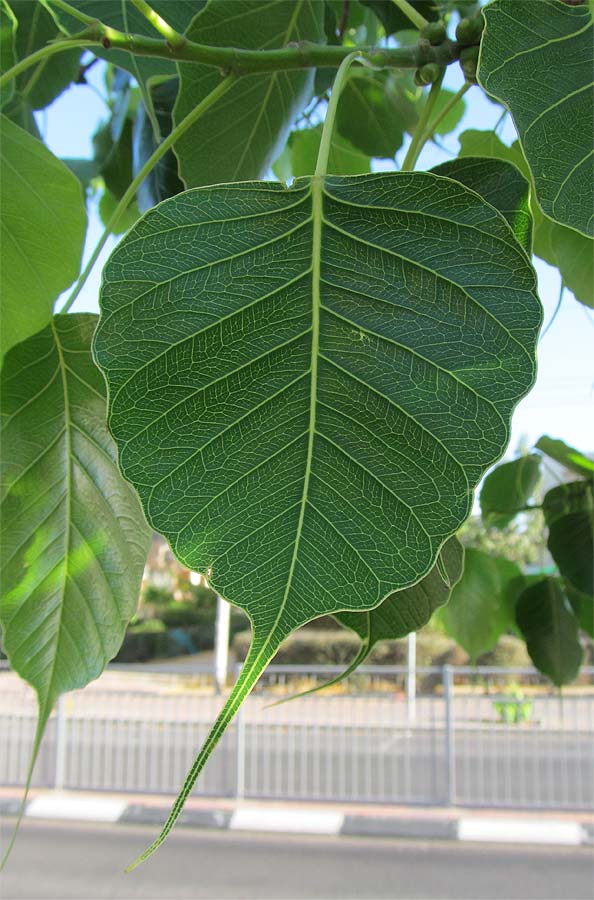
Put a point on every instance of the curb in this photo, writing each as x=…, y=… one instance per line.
x=478, y=827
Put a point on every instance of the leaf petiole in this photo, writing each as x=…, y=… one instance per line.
x=418, y=140
x=411, y=13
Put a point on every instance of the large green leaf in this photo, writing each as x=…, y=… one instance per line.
x=571, y=252
x=481, y=607
x=569, y=515
x=550, y=629
x=567, y=456
x=507, y=489
x=305, y=385
x=522, y=45
x=74, y=540
x=501, y=184
x=41, y=234
x=39, y=86
x=240, y=137
x=301, y=153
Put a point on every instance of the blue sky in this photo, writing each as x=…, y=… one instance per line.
x=560, y=404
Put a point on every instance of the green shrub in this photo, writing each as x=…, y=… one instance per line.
x=509, y=651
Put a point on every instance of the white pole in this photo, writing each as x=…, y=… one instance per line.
x=411, y=677
x=221, y=648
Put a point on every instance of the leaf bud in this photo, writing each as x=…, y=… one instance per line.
x=468, y=61
x=435, y=33
x=469, y=31
x=427, y=74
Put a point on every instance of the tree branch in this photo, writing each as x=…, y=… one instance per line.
x=303, y=55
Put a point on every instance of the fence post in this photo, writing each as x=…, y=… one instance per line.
x=61, y=740
x=239, y=749
x=450, y=748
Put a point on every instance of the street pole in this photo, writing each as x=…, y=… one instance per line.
x=221, y=654
x=411, y=678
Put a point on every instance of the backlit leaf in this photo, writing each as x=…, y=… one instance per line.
x=305, y=386
x=550, y=629
x=240, y=137
x=571, y=252
x=8, y=57
x=301, y=152
x=536, y=58
x=42, y=232
x=569, y=515
x=508, y=488
x=567, y=456
x=501, y=185
x=74, y=540
x=481, y=606
x=39, y=86
x=366, y=117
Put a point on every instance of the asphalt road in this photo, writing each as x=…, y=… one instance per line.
x=56, y=860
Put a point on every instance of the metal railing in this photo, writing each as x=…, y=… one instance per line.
x=469, y=739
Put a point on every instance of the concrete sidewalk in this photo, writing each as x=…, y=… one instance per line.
x=407, y=822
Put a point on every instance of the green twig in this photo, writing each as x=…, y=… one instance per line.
x=430, y=130
x=173, y=37
x=418, y=140
x=303, y=55
x=411, y=13
x=149, y=165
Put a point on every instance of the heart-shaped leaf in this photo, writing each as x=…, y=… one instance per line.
x=74, y=540
x=523, y=43
x=43, y=220
x=306, y=383
x=550, y=629
x=240, y=137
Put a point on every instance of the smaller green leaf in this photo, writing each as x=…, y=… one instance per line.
x=44, y=222
x=572, y=253
x=107, y=207
x=392, y=17
x=481, y=607
x=507, y=489
x=163, y=181
x=501, y=184
x=301, y=152
x=583, y=608
x=523, y=43
x=365, y=116
x=562, y=453
x=40, y=85
x=74, y=539
x=569, y=515
x=400, y=613
x=550, y=630
x=84, y=169
x=8, y=27
x=239, y=138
